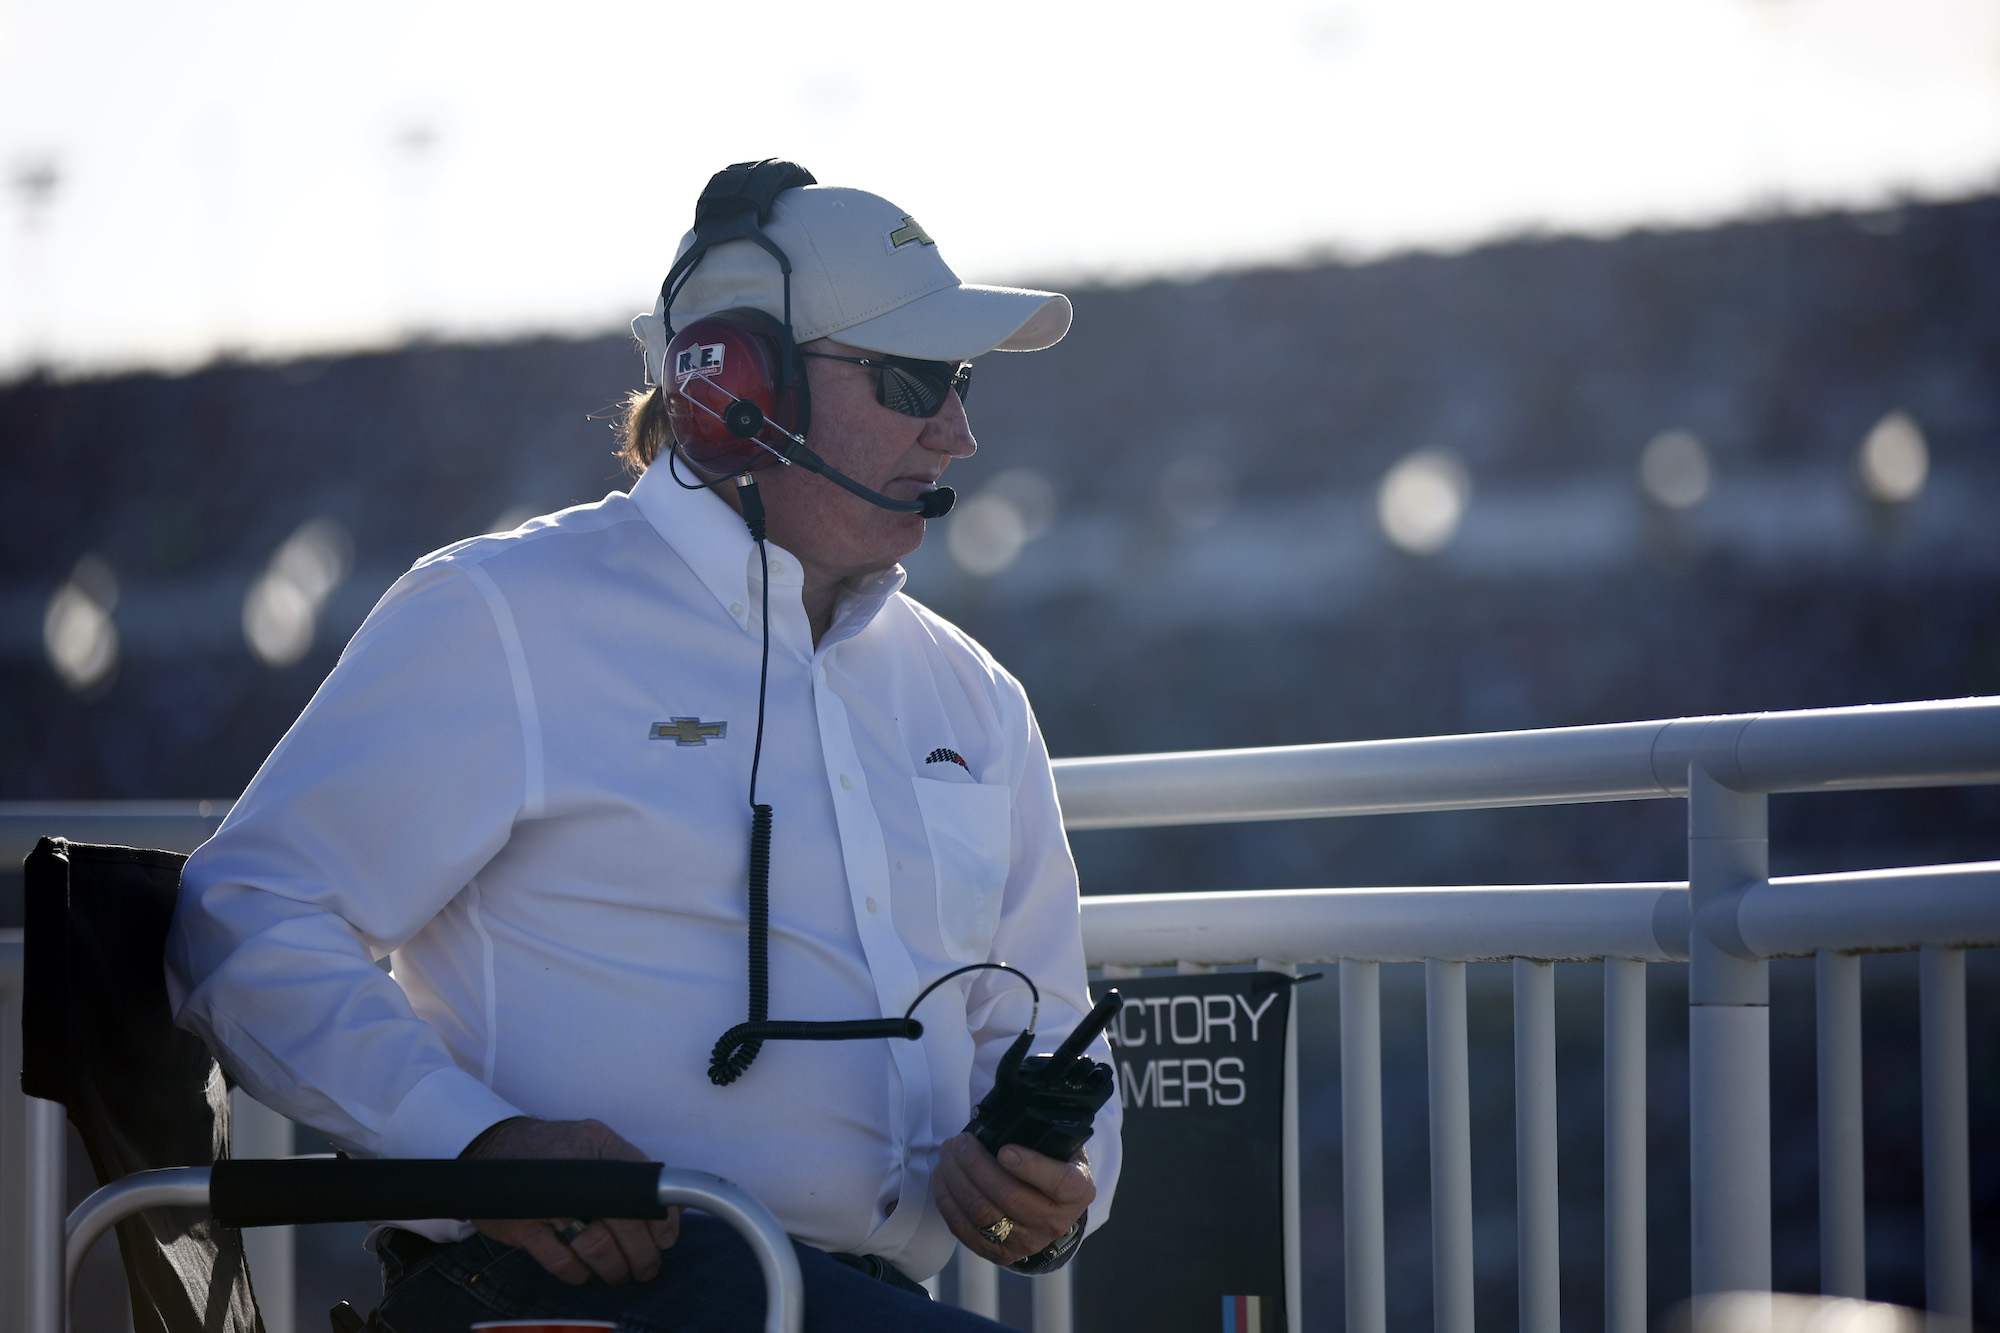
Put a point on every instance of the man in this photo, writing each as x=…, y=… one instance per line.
x=525, y=784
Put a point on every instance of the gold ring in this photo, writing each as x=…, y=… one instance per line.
x=570, y=1230
x=999, y=1231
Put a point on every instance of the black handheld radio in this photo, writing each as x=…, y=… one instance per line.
x=1047, y=1102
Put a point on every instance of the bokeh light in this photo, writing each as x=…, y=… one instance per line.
x=986, y=533
x=77, y=630
x=1675, y=470
x=281, y=612
x=1423, y=499
x=1894, y=461
x=1031, y=494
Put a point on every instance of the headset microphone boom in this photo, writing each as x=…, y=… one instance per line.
x=935, y=503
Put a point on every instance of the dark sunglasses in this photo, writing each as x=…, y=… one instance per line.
x=911, y=387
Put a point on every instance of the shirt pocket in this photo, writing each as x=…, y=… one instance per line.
x=970, y=826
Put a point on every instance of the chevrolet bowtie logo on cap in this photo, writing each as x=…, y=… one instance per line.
x=689, y=731
x=911, y=230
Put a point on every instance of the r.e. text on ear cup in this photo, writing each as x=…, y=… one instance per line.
x=732, y=357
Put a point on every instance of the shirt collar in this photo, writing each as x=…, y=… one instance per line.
x=860, y=598
x=710, y=537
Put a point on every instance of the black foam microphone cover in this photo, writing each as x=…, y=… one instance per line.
x=938, y=503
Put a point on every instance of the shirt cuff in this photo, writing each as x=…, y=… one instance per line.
x=447, y=1109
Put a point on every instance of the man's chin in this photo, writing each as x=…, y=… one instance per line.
x=912, y=531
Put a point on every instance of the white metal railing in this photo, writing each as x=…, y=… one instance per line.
x=1726, y=920
x=14, y=1186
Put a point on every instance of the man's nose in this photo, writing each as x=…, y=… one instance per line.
x=949, y=432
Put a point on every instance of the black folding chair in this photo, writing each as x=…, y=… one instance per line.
x=152, y=1108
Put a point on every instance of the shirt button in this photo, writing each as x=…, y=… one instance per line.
x=846, y=783
x=871, y=904
x=777, y=566
x=736, y=608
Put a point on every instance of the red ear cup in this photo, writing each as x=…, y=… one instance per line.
x=731, y=357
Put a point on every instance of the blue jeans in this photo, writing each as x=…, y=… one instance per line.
x=708, y=1282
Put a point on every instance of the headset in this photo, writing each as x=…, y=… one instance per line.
x=737, y=397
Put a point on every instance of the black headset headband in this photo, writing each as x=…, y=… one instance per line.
x=735, y=206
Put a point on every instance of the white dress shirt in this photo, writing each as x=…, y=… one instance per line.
x=477, y=792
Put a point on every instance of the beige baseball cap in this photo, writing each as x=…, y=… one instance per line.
x=863, y=271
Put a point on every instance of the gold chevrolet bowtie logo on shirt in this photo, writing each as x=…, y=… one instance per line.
x=690, y=731
x=911, y=230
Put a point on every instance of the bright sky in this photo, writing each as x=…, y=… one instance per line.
x=188, y=175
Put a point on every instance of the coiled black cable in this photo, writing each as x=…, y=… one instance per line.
x=730, y=1058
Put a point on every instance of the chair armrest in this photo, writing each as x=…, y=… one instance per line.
x=331, y=1189
x=298, y=1190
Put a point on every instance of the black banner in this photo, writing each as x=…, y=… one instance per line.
x=1196, y=1240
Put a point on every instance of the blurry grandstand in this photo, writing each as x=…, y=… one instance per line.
x=1543, y=483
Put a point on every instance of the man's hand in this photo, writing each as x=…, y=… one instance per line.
x=1041, y=1196
x=617, y=1249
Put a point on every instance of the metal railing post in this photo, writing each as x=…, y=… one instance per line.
x=978, y=1284
x=1536, y=1216
x=1947, y=1154
x=256, y=1131
x=1624, y=1146
x=1729, y=1044
x=46, y=1296
x=1289, y=1132
x=1451, y=1146
x=1843, y=1244
x=1052, y=1302
x=1361, y=1145
x=13, y=1139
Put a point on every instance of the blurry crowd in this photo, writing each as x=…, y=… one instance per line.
x=1646, y=497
